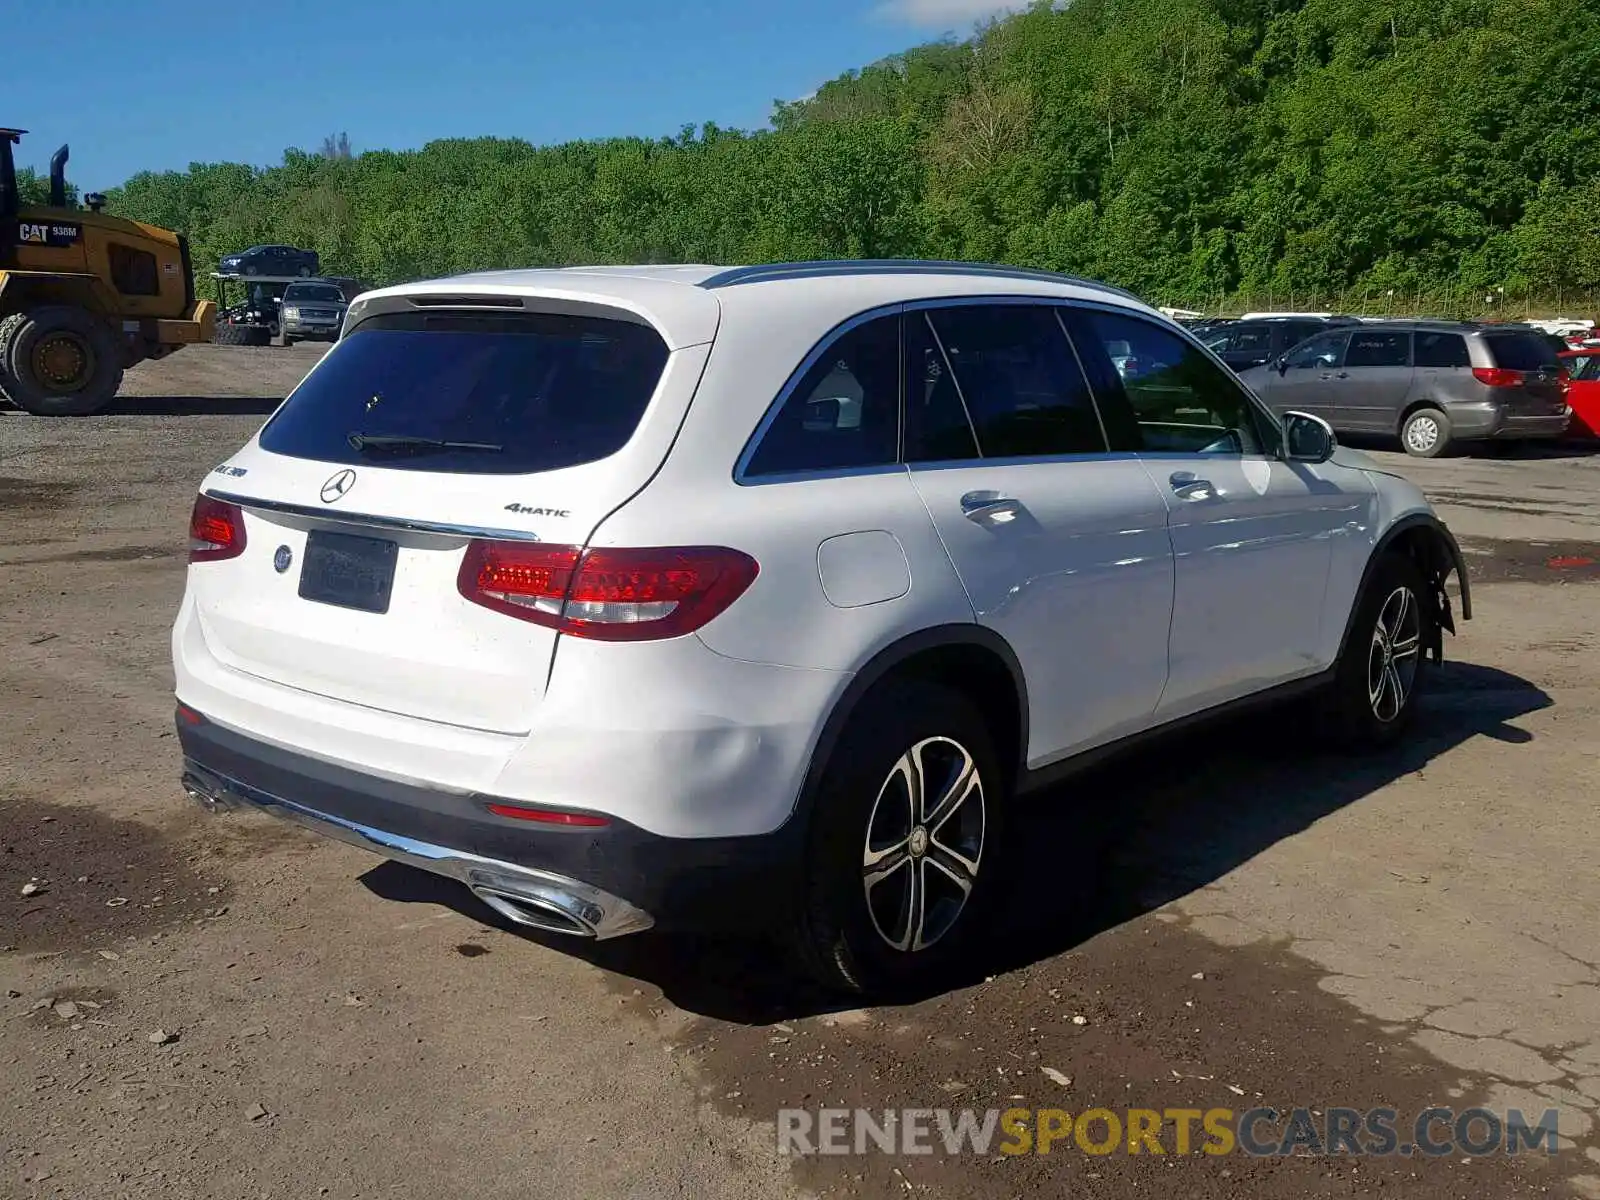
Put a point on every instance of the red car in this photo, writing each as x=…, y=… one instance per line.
x=1583, y=391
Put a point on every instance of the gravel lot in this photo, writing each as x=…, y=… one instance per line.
x=1244, y=921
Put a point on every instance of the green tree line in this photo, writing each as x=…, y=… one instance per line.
x=1175, y=147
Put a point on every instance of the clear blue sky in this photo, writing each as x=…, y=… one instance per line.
x=158, y=84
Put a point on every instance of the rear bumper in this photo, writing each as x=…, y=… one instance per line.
x=592, y=882
x=1487, y=419
x=1535, y=427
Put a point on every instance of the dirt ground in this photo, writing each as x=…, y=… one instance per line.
x=223, y=1007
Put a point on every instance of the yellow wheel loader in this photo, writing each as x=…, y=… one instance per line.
x=85, y=295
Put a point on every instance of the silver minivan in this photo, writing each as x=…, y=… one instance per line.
x=1429, y=383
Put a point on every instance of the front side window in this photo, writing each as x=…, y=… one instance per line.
x=1177, y=400
x=845, y=411
x=1585, y=367
x=1325, y=352
x=1369, y=348
x=1023, y=389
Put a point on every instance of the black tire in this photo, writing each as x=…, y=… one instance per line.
x=33, y=343
x=1362, y=719
x=1425, y=433
x=288, y=340
x=8, y=330
x=242, y=335
x=845, y=939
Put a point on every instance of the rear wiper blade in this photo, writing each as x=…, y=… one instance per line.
x=400, y=441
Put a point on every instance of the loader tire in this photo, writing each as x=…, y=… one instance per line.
x=242, y=335
x=59, y=361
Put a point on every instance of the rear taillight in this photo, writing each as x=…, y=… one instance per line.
x=216, y=530
x=608, y=594
x=1497, y=377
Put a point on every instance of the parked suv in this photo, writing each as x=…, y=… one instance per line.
x=692, y=595
x=313, y=309
x=1430, y=383
x=1253, y=341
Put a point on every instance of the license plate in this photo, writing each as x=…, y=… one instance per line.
x=348, y=571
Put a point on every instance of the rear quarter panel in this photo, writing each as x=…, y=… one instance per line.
x=787, y=617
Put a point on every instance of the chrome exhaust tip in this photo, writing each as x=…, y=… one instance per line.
x=523, y=895
x=545, y=908
x=208, y=795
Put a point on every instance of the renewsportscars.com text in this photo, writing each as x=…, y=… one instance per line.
x=1259, y=1132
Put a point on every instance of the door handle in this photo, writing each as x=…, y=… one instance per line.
x=1187, y=486
x=982, y=507
x=1337, y=375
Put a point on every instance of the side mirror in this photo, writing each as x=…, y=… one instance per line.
x=1281, y=364
x=1307, y=438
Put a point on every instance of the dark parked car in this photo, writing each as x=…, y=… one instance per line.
x=313, y=308
x=1246, y=344
x=271, y=260
x=1430, y=383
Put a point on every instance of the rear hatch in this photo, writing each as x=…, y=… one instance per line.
x=1531, y=370
x=423, y=433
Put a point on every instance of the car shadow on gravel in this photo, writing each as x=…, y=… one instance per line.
x=1530, y=450
x=193, y=406
x=1131, y=834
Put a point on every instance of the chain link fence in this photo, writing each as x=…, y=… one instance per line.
x=1451, y=303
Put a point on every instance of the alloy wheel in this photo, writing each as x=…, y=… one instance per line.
x=1395, y=654
x=924, y=844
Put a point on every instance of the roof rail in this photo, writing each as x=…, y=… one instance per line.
x=769, y=272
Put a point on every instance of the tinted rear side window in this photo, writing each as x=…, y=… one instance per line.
x=845, y=412
x=1023, y=388
x=1371, y=349
x=533, y=392
x=937, y=426
x=1442, y=350
x=1520, y=351
x=1253, y=340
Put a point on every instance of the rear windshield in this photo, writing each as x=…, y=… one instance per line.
x=1521, y=351
x=473, y=394
x=323, y=293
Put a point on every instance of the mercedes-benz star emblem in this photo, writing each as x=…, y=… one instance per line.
x=336, y=487
x=281, y=559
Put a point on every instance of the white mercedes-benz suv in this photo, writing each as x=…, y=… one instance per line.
x=705, y=596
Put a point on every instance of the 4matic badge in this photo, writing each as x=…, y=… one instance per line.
x=527, y=511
